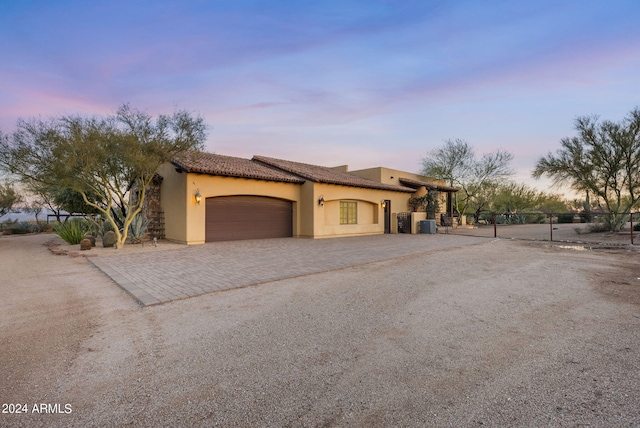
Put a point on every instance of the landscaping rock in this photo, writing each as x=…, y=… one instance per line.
x=85, y=244
x=92, y=239
x=109, y=239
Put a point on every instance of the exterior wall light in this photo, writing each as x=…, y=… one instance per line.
x=321, y=201
x=383, y=203
x=198, y=197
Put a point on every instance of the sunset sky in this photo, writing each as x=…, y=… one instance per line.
x=364, y=83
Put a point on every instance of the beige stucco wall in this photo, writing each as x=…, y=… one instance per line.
x=392, y=176
x=374, y=174
x=415, y=222
x=174, y=203
x=308, y=209
x=185, y=219
x=367, y=212
x=370, y=211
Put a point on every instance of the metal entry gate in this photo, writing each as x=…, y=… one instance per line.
x=404, y=222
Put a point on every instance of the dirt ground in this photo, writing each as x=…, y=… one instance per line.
x=572, y=232
x=502, y=333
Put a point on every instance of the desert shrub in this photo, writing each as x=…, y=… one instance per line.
x=598, y=228
x=565, y=218
x=586, y=217
x=5, y=226
x=22, y=227
x=16, y=227
x=511, y=219
x=486, y=217
x=73, y=231
x=636, y=227
x=614, y=222
x=45, y=228
x=536, y=218
x=99, y=226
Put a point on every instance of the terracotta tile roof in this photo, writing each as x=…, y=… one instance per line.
x=431, y=186
x=228, y=166
x=322, y=174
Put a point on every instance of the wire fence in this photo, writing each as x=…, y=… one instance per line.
x=558, y=227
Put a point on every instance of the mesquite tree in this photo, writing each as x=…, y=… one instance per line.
x=8, y=198
x=110, y=160
x=603, y=159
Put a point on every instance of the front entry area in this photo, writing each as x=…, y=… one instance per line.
x=233, y=218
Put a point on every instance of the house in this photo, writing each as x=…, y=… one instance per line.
x=207, y=197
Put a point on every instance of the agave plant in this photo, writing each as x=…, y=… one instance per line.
x=138, y=228
x=72, y=231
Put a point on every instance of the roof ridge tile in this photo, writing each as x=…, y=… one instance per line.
x=230, y=166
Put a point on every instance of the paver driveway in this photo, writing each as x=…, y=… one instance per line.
x=158, y=277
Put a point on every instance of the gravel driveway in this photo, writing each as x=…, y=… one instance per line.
x=501, y=333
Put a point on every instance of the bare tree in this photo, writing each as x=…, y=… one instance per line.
x=456, y=163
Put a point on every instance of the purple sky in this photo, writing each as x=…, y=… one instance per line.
x=364, y=83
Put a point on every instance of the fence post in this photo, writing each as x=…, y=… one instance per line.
x=631, y=224
x=551, y=227
x=495, y=226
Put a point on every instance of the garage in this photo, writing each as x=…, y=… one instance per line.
x=233, y=218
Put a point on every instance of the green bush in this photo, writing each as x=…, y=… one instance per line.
x=18, y=227
x=73, y=231
x=44, y=228
x=536, y=218
x=565, y=217
x=484, y=217
x=511, y=219
x=100, y=226
x=5, y=226
x=586, y=217
x=23, y=227
x=598, y=228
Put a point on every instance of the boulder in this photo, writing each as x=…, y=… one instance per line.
x=109, y=239
x=85, y=244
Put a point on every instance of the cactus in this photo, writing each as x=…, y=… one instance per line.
x=138, y=228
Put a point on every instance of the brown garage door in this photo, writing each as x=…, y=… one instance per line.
x=231, y=218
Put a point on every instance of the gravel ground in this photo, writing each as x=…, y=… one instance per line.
x=573, y=232
x=504, y=333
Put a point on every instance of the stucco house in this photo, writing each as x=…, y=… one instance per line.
x=207, y=197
